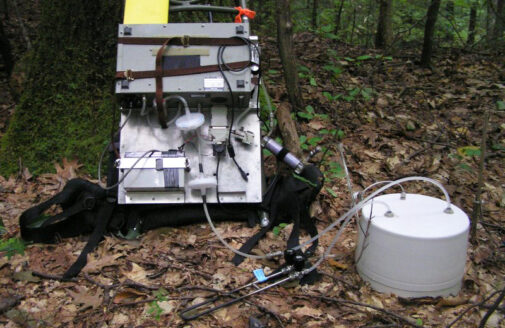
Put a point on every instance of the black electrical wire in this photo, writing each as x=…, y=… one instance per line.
x=227, y=211
x=221, y=63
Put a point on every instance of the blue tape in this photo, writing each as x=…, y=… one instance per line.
x=260, y=275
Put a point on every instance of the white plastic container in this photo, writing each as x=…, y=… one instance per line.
x=418, y=251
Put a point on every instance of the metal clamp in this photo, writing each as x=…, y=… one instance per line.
x=185, y=41
x=128, y=74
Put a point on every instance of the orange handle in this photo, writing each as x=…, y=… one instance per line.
x=244, y=12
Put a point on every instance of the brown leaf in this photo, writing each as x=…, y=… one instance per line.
x=337, y=264
x=316, y=124
x=128, y=295
x=85, y=300
x=306, y=311
x=452, y=301
x=95, y=265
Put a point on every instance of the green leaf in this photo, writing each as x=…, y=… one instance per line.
x=419, y=322
x=273, y=71
x=314, y=141
x=313, y=82
x=349, y=59
x=364, y=57
x=302, y=68
x=465, y=167
x=498, y=147
x=309, y=109
x=277, y=229
x=500, y=105
x=327, y=28
x=340, y=134
x=303, y=139
x=12, y=246
x=354, y=92
x=469, y=151
x=266, y=152
x=365, y=93
x=304, y=115
x=331, y=192
x=336, y=70
x=327, y=95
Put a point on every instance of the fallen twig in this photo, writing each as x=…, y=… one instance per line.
x=492, y=309
x=462, y=314
x=342, y=301
x=52, y=277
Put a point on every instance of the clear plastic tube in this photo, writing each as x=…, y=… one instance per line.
x=345, y=217
x=221, y=239
x=363, y=192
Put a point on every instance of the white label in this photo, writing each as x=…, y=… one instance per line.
x=213, y=83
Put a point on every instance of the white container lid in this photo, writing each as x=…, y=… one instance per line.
x=416, y=216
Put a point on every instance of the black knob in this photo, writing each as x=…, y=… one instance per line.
x=299, y=262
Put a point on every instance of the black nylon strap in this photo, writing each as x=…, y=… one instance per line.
x=68, y=212
x=103, y=217
x=250, y=243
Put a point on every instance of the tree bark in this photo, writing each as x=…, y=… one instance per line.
x=314, y=13
x=449, y=8
x=472, y=24
x=338, y=17
x=499, y=21
x=286, y=51
x=288, y=131
x=429, y=31
x=6, y=51
x=384, y=27
x=68, y=84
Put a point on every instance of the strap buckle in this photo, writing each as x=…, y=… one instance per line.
x=185, y=41
x=128, y=74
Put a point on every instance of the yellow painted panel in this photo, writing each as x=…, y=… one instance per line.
x=146, y=12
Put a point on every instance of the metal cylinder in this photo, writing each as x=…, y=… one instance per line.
x=283, y=154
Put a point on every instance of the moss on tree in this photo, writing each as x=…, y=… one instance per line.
x=67, y=103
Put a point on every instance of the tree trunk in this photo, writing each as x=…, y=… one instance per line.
x=429, y=31
x=286, y=51
x=353, y=23
x=6, y=51
x=287, y=128
x=5, y=9
x=471, y=24
x=499, y=21
x=65, y=110
x=449, y=8
x=338, y=17
x=314, y=14
x=384, y=27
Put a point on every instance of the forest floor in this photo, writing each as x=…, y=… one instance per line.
x=395, y=120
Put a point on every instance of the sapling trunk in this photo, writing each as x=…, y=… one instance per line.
x=477, y=203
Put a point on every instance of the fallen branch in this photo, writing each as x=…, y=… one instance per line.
x=492, y=309
x=51, y=276
x=342, y=301
x=462, y=314
x=9, y=302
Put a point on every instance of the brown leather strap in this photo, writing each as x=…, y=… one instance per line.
x=183, y=41
x=159, y=85
x=132, y=75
